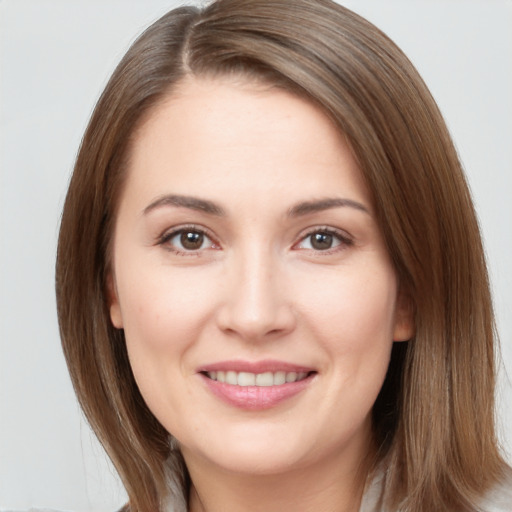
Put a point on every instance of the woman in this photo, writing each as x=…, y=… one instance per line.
x=271, y=286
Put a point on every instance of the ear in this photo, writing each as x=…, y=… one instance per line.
x=404, y=328
x=113, y=302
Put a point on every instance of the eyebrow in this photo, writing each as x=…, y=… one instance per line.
x=206, y=206
x=308, y=207
x=192, y=203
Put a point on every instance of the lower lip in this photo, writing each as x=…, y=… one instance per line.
x=255, y=398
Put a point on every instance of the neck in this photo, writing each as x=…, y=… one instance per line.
x=329, y=485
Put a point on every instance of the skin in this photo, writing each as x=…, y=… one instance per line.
x=256, y=288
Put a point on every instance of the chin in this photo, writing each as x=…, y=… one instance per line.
x=252, y=461
x=249, y=451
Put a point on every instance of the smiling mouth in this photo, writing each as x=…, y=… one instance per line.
x=256, y=386
x=265, y=379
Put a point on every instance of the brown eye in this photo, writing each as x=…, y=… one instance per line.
x=187, y=240
x=191, y=240
x=321, y=241
x=324, y=240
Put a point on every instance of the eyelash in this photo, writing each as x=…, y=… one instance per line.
x=166, y=237
x=344, y=240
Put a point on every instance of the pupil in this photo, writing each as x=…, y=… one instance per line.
x=191, y=240
x=321, y=241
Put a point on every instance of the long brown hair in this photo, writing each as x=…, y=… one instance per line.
x=434, y=418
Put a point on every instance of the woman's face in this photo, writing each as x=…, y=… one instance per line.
x=257, y=298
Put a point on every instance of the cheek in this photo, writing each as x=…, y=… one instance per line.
x=163, y=315
x=354, y=308
x=352, y=320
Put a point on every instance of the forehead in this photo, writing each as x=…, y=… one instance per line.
x=240, y=135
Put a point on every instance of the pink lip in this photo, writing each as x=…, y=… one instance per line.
x=254, y=398
x=266, y=365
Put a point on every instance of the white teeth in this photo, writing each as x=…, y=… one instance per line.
x=291, y=377
x=279, y=378
x=231, y=378
x=246, y=379
x=257, y=379
x=265, y=379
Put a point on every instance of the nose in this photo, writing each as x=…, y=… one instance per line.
x=256, y=304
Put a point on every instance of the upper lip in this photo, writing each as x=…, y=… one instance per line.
x=267, y=365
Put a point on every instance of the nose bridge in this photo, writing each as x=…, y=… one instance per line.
x=256, y=304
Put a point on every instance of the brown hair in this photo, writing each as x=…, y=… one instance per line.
x=434, y=417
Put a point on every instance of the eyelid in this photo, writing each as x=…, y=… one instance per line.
x=169, y=233
x=346, y=240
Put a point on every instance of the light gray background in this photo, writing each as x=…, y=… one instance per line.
x=55, y=57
